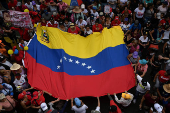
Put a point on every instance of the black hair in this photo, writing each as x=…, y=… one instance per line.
x=141, y=4
x=87, y=26
x=18, y=74
x=154, y=93
x=80, y=18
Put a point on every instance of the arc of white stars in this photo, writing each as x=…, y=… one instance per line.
x=70, y=60
x=61, y=60
x=83, y=64
x=93, y=71
x=58, y=67
x=77, y=62
x=65, y=58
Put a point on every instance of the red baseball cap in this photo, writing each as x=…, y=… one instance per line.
x=21, y=95
x=35, y=94
x=116, y=18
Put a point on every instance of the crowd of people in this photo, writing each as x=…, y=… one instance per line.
x=146, y=27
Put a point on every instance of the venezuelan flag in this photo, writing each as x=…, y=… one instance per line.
x=69, y=65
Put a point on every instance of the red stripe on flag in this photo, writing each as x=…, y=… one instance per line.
x=79, y=2
x=65, y=86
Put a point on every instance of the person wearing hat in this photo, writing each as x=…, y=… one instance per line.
x=133, y=58
x=62, y=6
x=125, y=25
x=97, y=110
x=84, y=10
x=146, y=28
x=156, y=63
x=36, y=7
x=48, y=108
x=53, y=6
x=38, y=99
x=77, y=12
x=142, y=88
x=47, y=15
x=25, y=100
x=161, y=78
x=56, y=16
x=97, y=27
x=94, y=12
x=157, y=108
x=157, y=34
x=165, y=21
x=142, y=67
x=6, y=89
x=116, y=21
x=166, y=35
x=16, y=68
x=163, y=8
x=125, y=100
x=164, y=93
x=80, y=107
x=134, y=26
x=91, y=20
x=149, y=100
x=43, y=5
x=74, y=29
x=113, y=108
x=7, y=103
x=52, y=23
x=12, y=3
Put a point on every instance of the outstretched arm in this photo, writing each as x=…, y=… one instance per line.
x=98, y=101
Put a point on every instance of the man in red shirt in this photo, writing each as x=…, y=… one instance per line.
x=21, y=7
x=116, y=21
x=52, y=23
x=74, y=29
x=97, y=27
x=43, y=5
x=163, y=77
x=113, y=107
x=12, y=4
x=165, y=21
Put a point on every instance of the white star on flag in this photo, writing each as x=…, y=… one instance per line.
x=58, y=67
x=88, y=67
x=83, y=64
x=93, y=71
x=65, y=58
x=77, y=62
x=60, y=60
x=70, y=60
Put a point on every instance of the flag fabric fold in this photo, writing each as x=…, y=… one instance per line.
x=69, y=65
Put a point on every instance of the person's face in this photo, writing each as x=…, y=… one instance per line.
x=125, y=22
x=81, y=20
x=43, y=20
x=94, y=10
x=96, y=24
x=73, y=28
x=61, y=2
x=95, y=3
x=154, y=97
x=145, y=36
x=19, y=70
x=6, y=16
x=87, y=28
x=126, y=8
x=140, y=7
x=18, y=77
x=160, y=29
x=66, y=22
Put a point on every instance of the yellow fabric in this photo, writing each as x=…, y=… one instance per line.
x=67, y=1
x=79, y=46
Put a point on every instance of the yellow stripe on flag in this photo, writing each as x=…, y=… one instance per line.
x=79, y=46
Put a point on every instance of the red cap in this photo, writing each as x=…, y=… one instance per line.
x=51, y=1
x=35, y=94
x=116, y=18
x=21, y=95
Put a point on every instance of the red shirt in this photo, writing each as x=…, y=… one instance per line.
x=114, y=23
x=42, y=6
x=149, y=101
x=14, y=4
x=162, y=77
x=21, y=8
x=18, y=58
x=43, y=24
x=23, y=33
x=29, y=100
x=74, y=32
x=56, y=18
x=39, y=102
x=97, y=28
x=118, y=109
x=129, y=11
x=49, y=24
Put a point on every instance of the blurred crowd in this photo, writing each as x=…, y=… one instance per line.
x=146, y=27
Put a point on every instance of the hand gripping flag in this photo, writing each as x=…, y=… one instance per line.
x=68, y=65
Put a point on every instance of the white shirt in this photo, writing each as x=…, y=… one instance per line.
x=88, y=32
x=55, y=22
x=162, y=10
x=83, y=23
x=80, y=110
x=166, y=34
x=7, y=63
x=143, y=40
x=139, y=88
x=85, y=11
x=139, y=13
x=124, y=27
x=20, y=82
x=96, y=14
x=154, y=111
x=122, y=2
x=91, y=22
x=29, y=6
x=124, y=102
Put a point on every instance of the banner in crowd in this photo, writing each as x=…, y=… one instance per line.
x=18, y=19
x=69, y=65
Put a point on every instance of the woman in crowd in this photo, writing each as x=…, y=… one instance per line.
x=134, y=46
x=142, y=67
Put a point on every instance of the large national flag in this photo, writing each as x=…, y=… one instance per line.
x=69, y=65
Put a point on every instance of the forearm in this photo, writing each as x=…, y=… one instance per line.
x=143, y=74
x=38, y=107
